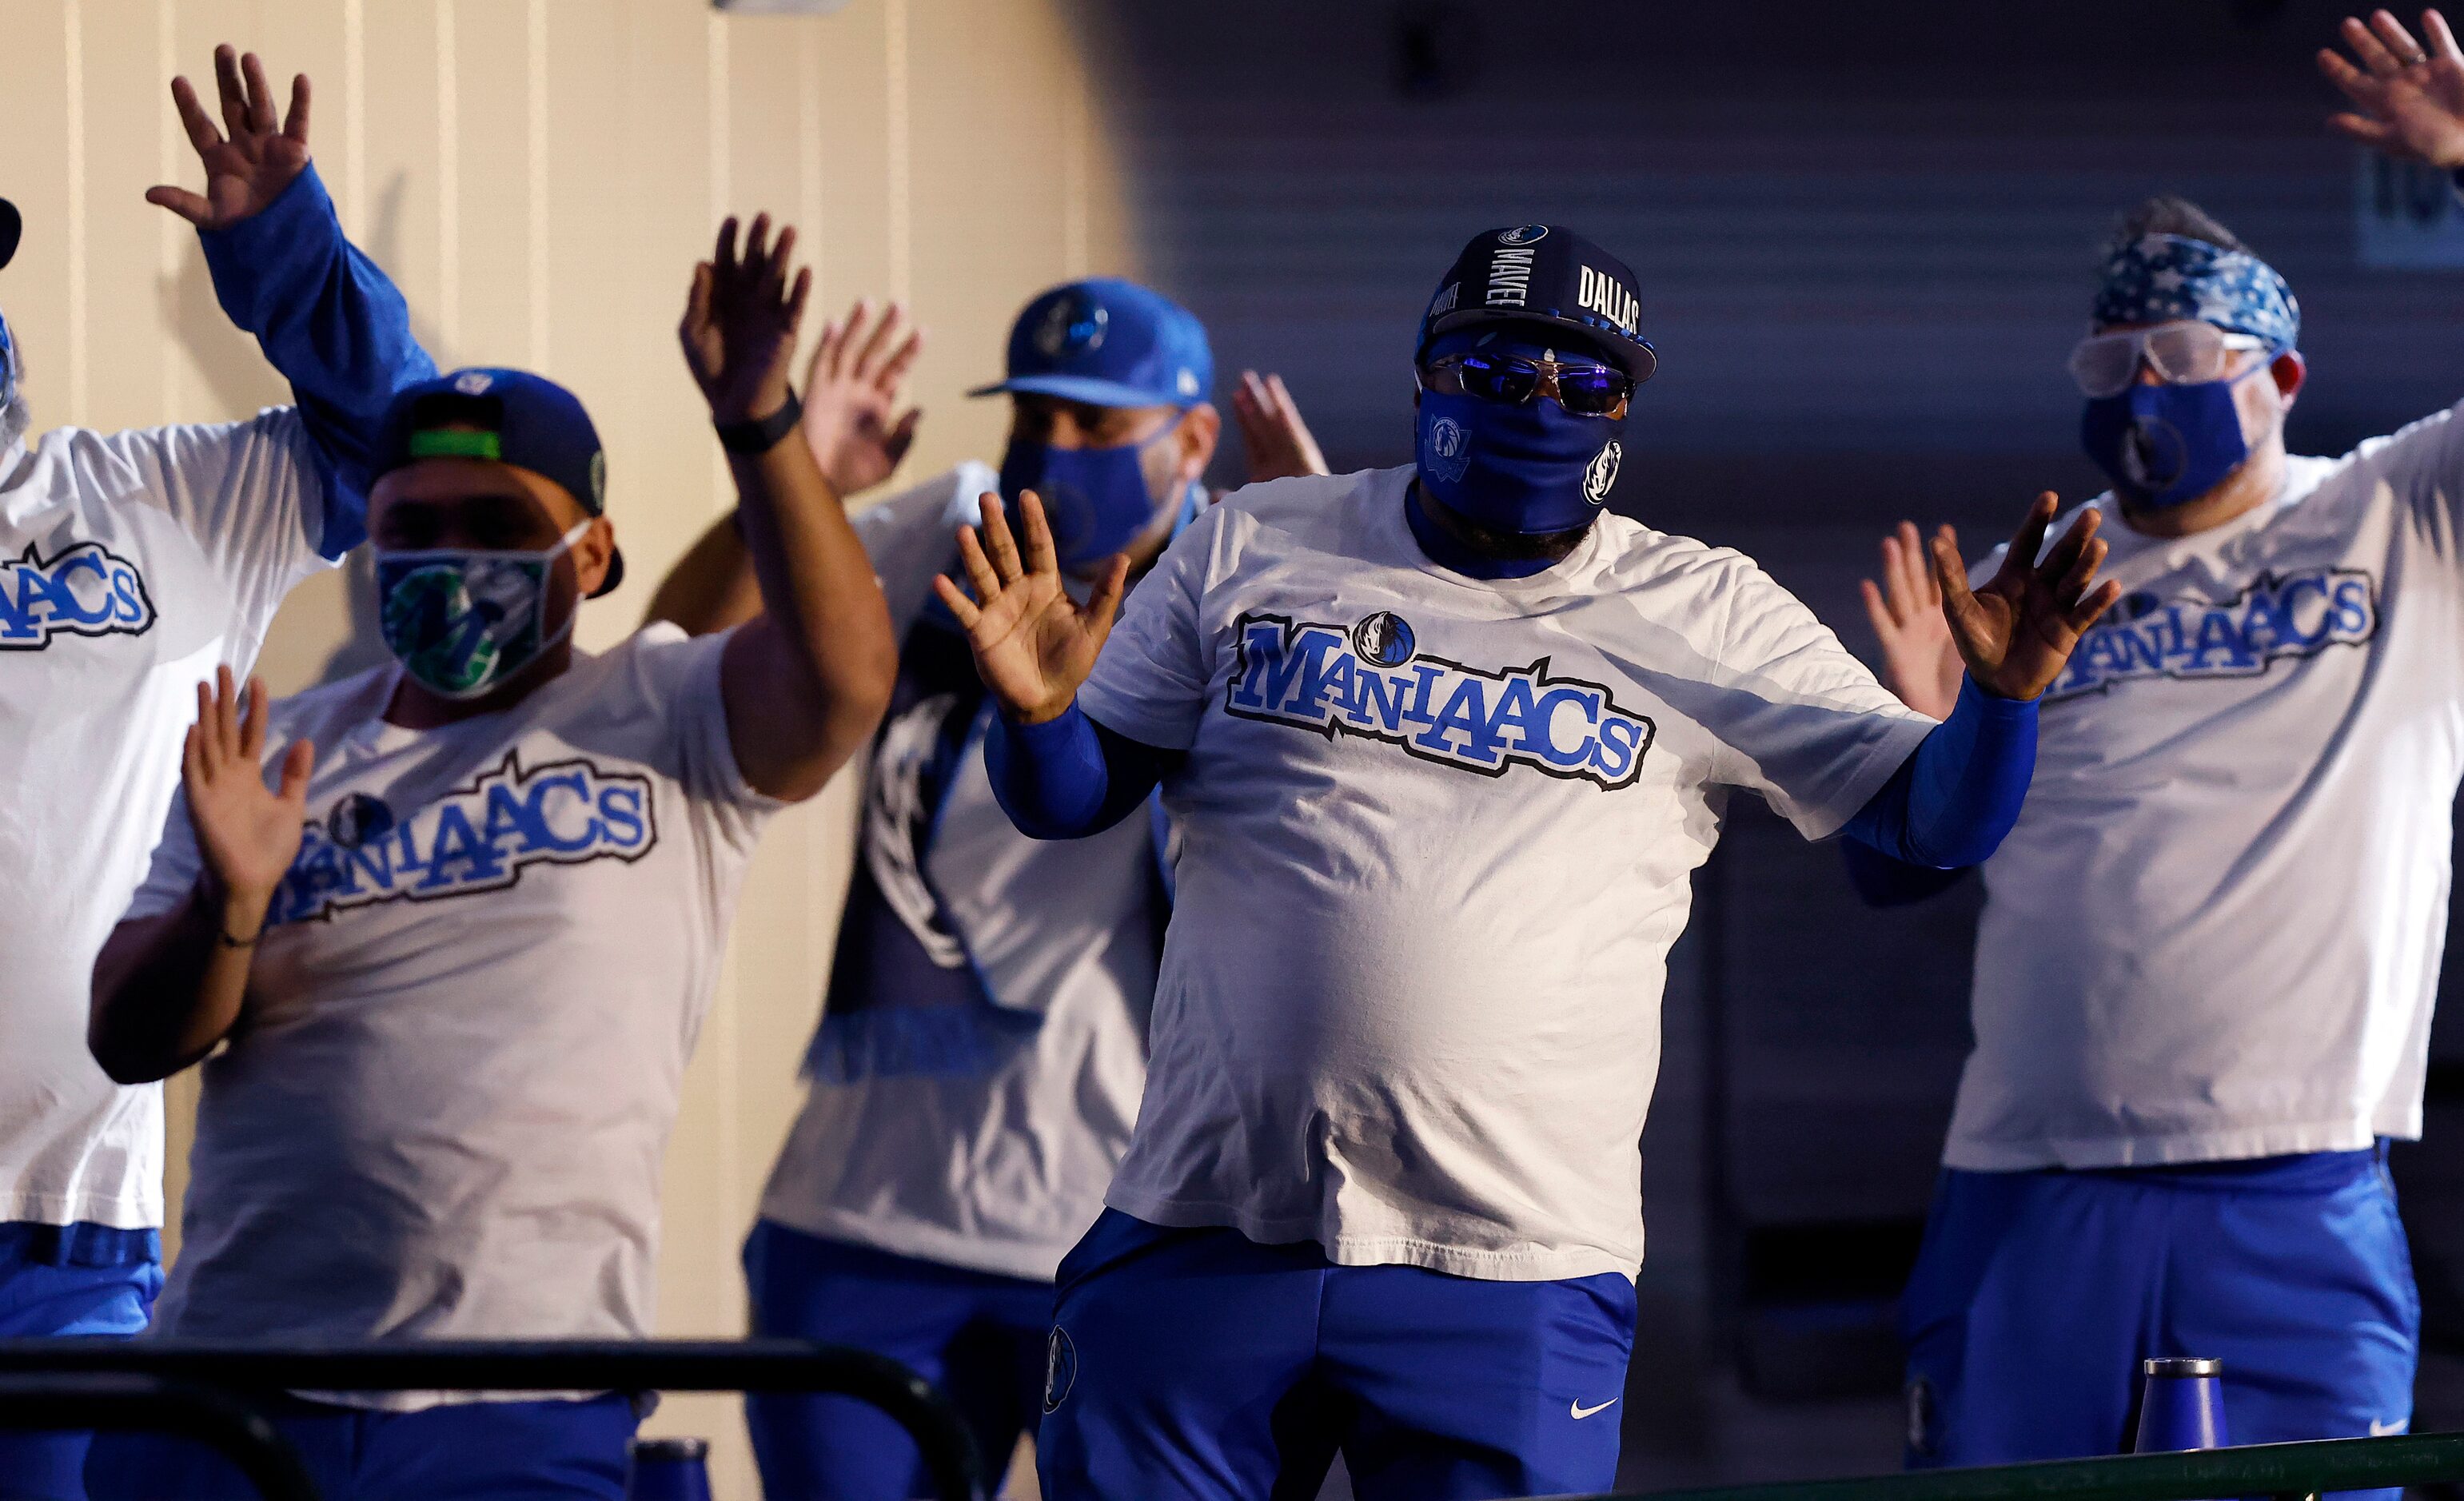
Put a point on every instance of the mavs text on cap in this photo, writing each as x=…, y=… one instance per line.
x=2298, y=615
x=1510, y=276
x=88, y=590
x=1371, y=682
x=477, y=838
x=1597, y=292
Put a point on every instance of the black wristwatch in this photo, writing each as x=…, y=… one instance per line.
x=762, y=435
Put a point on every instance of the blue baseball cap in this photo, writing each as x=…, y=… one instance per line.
x=506, y=416
x=1107, y=342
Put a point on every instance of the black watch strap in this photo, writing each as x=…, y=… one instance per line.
x=762, y=435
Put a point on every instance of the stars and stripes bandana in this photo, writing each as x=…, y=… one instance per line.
x=2163, y=278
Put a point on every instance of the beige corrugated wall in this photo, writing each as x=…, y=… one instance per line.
x=539, y=175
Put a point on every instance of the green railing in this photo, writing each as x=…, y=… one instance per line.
x=2259, y=1469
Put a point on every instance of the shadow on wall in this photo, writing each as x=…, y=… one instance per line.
x=237, y=378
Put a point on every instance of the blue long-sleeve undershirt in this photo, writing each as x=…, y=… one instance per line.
x=1069, y=776
x=332, y=323
x=1948, y=806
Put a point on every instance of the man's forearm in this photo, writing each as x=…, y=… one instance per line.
x=167, y=988
x=329, y=320
x=1956, y=798
x=1068, y=777
x=815, y=578
x=809, y=679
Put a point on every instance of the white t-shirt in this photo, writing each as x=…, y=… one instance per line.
x=2215, y=933
x=1437, y=835
x=443, y=1113
x=131, y=565
x=1001, y=1168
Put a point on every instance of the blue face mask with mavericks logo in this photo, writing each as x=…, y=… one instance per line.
x=2164, y=444
x=1095, y=499
x=1532, y=468
x=464, y=621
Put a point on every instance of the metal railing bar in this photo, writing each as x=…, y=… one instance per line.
x=749, y=1366
x=124, y=1402
x=2274, y=1470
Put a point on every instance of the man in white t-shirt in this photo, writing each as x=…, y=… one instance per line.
x=132, y=564
x=1444, y=744
x=2210, y=948
x=983, y=1041
x=454, y=960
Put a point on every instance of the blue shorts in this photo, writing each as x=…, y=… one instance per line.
x=2037, y=1294
x=86, y=1280
x=464, y=1451
x=976, y=1335
x=1197, y=1363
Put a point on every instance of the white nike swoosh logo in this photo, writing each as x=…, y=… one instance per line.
x=2380, y=1430
x=1581, y=1411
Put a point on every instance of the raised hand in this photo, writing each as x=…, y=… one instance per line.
x=1920, y=662
x=248, y=832
x=250, y=167
x=2017, y=631
x=740, y=320
x=2408, y=97
x=852, y=390
x=1033, y=643
x=1279, y=444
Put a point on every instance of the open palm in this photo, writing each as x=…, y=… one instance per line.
x=1033, y=643
x=2016, y=631
x=2407, y=95
x=1921, y=662
x=248, y=832
x=740, y=319
x=249, y=168
x=853, y=389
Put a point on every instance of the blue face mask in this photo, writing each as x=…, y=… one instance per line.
x=1531, y=469
x=2164, y=444
x=1095, y=499
x=462, y=622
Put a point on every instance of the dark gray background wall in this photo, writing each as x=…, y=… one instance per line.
x=1865, y=236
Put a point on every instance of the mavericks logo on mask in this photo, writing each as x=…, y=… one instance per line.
x=462, y=622
x=1372, y=680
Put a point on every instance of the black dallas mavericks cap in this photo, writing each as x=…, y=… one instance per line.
x=508, y=416
x=11, y=226
x=1548, y=274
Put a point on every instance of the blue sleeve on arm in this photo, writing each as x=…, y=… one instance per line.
x=1069, y=776
x=1950, y=805
x=332, y=323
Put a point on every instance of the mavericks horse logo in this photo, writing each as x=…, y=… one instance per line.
x=1384, y=639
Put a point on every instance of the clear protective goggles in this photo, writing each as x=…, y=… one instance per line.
x=2181, y=353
